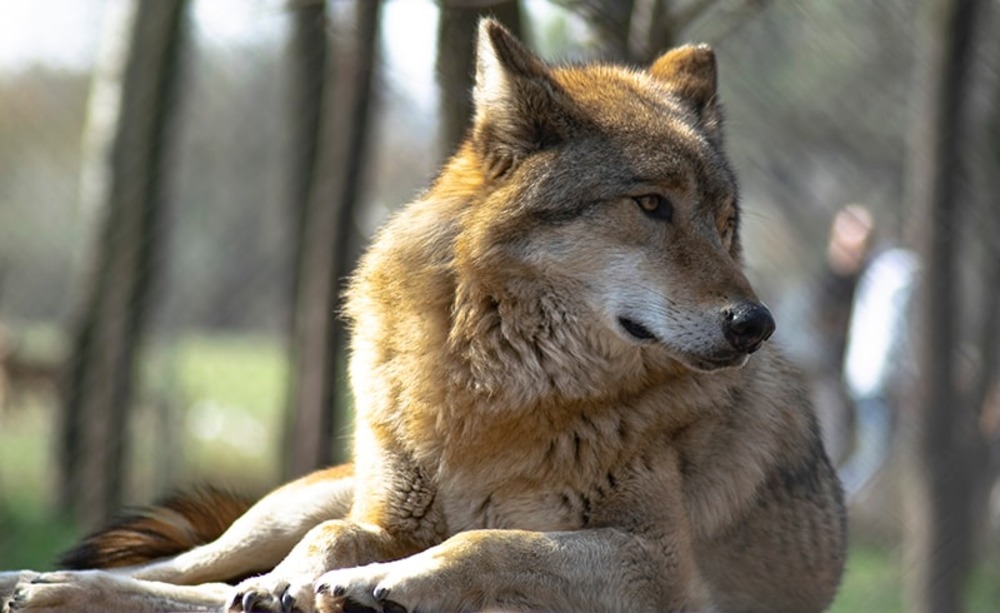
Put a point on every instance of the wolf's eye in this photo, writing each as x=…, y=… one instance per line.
x=655, y=206
x=729, y=228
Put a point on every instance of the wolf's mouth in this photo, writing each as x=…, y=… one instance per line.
x=636, y=330
x=706, y=364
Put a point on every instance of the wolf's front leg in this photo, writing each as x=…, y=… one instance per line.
x=603, y=569
x=332, y=544
x=99, y=591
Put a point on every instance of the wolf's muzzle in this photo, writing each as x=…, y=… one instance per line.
x=747, y=326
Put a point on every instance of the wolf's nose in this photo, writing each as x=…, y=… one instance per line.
x=747, y=326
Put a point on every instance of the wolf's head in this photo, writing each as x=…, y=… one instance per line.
x=604, y=191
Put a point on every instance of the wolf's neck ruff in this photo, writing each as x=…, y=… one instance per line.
x=537, y=347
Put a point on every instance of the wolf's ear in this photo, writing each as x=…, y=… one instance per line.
x=690, y=71
x=519, y=107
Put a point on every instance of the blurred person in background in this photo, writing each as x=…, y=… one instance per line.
x=854, y=320
x=825, y=316
x=875, y=363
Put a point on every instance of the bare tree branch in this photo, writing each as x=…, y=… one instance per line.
x=651, y=30
x=731, y=19
x=694, y=10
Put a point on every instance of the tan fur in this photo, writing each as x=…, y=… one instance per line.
x=557, y=409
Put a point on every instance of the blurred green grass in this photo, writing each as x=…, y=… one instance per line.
x=871, y=583
x=874, y=582
x=209, y=410
x=224, y=395
x=231, y=392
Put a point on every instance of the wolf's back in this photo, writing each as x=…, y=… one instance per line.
x=173, y=525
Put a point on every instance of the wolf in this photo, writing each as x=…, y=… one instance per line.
x=565, y=396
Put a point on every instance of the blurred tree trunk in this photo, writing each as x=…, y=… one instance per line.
x=309, y=57
x=942, y=444
x=123, y=181
x=319, y=410
x=309, y=50
x=456, y=60
x=982, y=393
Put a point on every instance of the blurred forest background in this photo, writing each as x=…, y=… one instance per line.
x=184, y=185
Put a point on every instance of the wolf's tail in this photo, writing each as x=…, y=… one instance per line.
x=175, y=524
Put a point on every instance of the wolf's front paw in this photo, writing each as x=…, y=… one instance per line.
x=358, y=589
x=273, y=594
x=9, y=580
x=48, y=591
x=417, y=583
